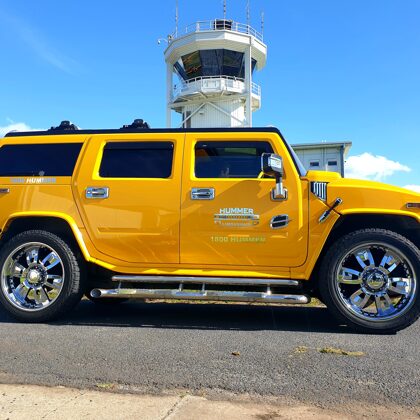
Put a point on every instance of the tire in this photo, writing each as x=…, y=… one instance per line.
x=369, y=280
x=41, y=278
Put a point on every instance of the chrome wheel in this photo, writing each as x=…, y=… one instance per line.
x=376, y=282
x=32, y=276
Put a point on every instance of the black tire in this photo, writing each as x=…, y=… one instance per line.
x=331, y=291
x=72, y=286
x=106, y=302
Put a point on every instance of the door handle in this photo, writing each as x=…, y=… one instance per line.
x=97, y=192
x=202, y=194
x=4, y=190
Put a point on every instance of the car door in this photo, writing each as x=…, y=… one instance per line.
x=128, y=192
x=228, y=215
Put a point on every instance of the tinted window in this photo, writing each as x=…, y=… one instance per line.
x=38, y=159
x=314, y=164
x=216, y=62
x=137, y=160
x=229, y=159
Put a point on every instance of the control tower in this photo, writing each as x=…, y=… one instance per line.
x=213, y=63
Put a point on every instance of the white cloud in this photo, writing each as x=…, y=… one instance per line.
x=374, y=167
x=412, y=187
x=15, y=127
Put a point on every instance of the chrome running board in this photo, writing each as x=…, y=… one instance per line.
x=237, y=281
x=237, y=296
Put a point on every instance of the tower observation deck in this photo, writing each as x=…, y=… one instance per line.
x=214, y=62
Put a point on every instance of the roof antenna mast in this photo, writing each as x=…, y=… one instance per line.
x=262, y=23
x=248, y=13
x=176, y=18
x=224, y=9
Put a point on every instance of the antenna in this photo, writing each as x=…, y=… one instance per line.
x=224, y=9
x=262, y=23
x=176, y=18
x=248, y=12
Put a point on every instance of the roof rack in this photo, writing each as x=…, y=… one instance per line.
x=137, y=124
x=65, y=126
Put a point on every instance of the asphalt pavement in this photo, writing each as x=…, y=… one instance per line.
x=290, y=352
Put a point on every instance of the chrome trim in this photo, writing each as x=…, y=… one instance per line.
x=97, y=192
x=282, y=197
x=220, y=218
x=4, y=190
x=203, y=295
x=376, y=282
x=207, y=280
x=280, y=221
x=202, y=194
x=413, y=205
x=319, y=189
x=326, y=213
x=32, y=277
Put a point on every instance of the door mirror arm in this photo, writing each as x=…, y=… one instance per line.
x=272, y=165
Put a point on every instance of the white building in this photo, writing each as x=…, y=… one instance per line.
x=214, y=62
x=323, y=156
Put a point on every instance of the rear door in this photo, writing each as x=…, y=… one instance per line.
x=228, y=216
x=128, y=191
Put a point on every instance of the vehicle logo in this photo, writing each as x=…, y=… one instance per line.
x=237, y=217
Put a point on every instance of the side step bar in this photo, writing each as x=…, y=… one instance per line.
x=208, y=280
x=203, y=295
x=181, y=292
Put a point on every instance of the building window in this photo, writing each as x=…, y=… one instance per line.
x=223, y=159
x=332, y=163
x=137, y=160
x=314, y=163
x=53, y=159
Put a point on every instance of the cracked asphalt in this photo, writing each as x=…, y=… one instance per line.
x=214, y=349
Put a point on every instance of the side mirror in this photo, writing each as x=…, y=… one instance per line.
x=272, y=165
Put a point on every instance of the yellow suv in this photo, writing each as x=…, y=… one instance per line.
x=199, y=214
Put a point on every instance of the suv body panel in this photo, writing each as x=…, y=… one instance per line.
x=206, y=236
x=139, y=221
x=295, y=257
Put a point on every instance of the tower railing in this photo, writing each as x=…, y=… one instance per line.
x=220, y=83
x=218, y=25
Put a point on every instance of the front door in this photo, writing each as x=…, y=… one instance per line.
x=228, y=216
x=129, y=196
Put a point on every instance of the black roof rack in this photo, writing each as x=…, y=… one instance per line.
x=137, y=124
x=65, y=126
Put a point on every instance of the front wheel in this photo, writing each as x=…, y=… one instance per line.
x=369, y=279
x=40, y=276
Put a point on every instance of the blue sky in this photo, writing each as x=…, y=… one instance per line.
x=336, y=70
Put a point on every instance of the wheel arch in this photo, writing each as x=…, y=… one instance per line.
x=404, y=225
x=61, y=225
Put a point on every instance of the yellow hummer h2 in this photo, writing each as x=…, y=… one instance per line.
x=200, y=214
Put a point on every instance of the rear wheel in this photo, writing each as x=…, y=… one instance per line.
x=369, y=279
x=40, y=276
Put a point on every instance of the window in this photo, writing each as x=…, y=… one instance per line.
x=57, y=159
x=332, y=163
x=137, y=160
x=217, y=62
x=314, y=163
x=222, y=159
